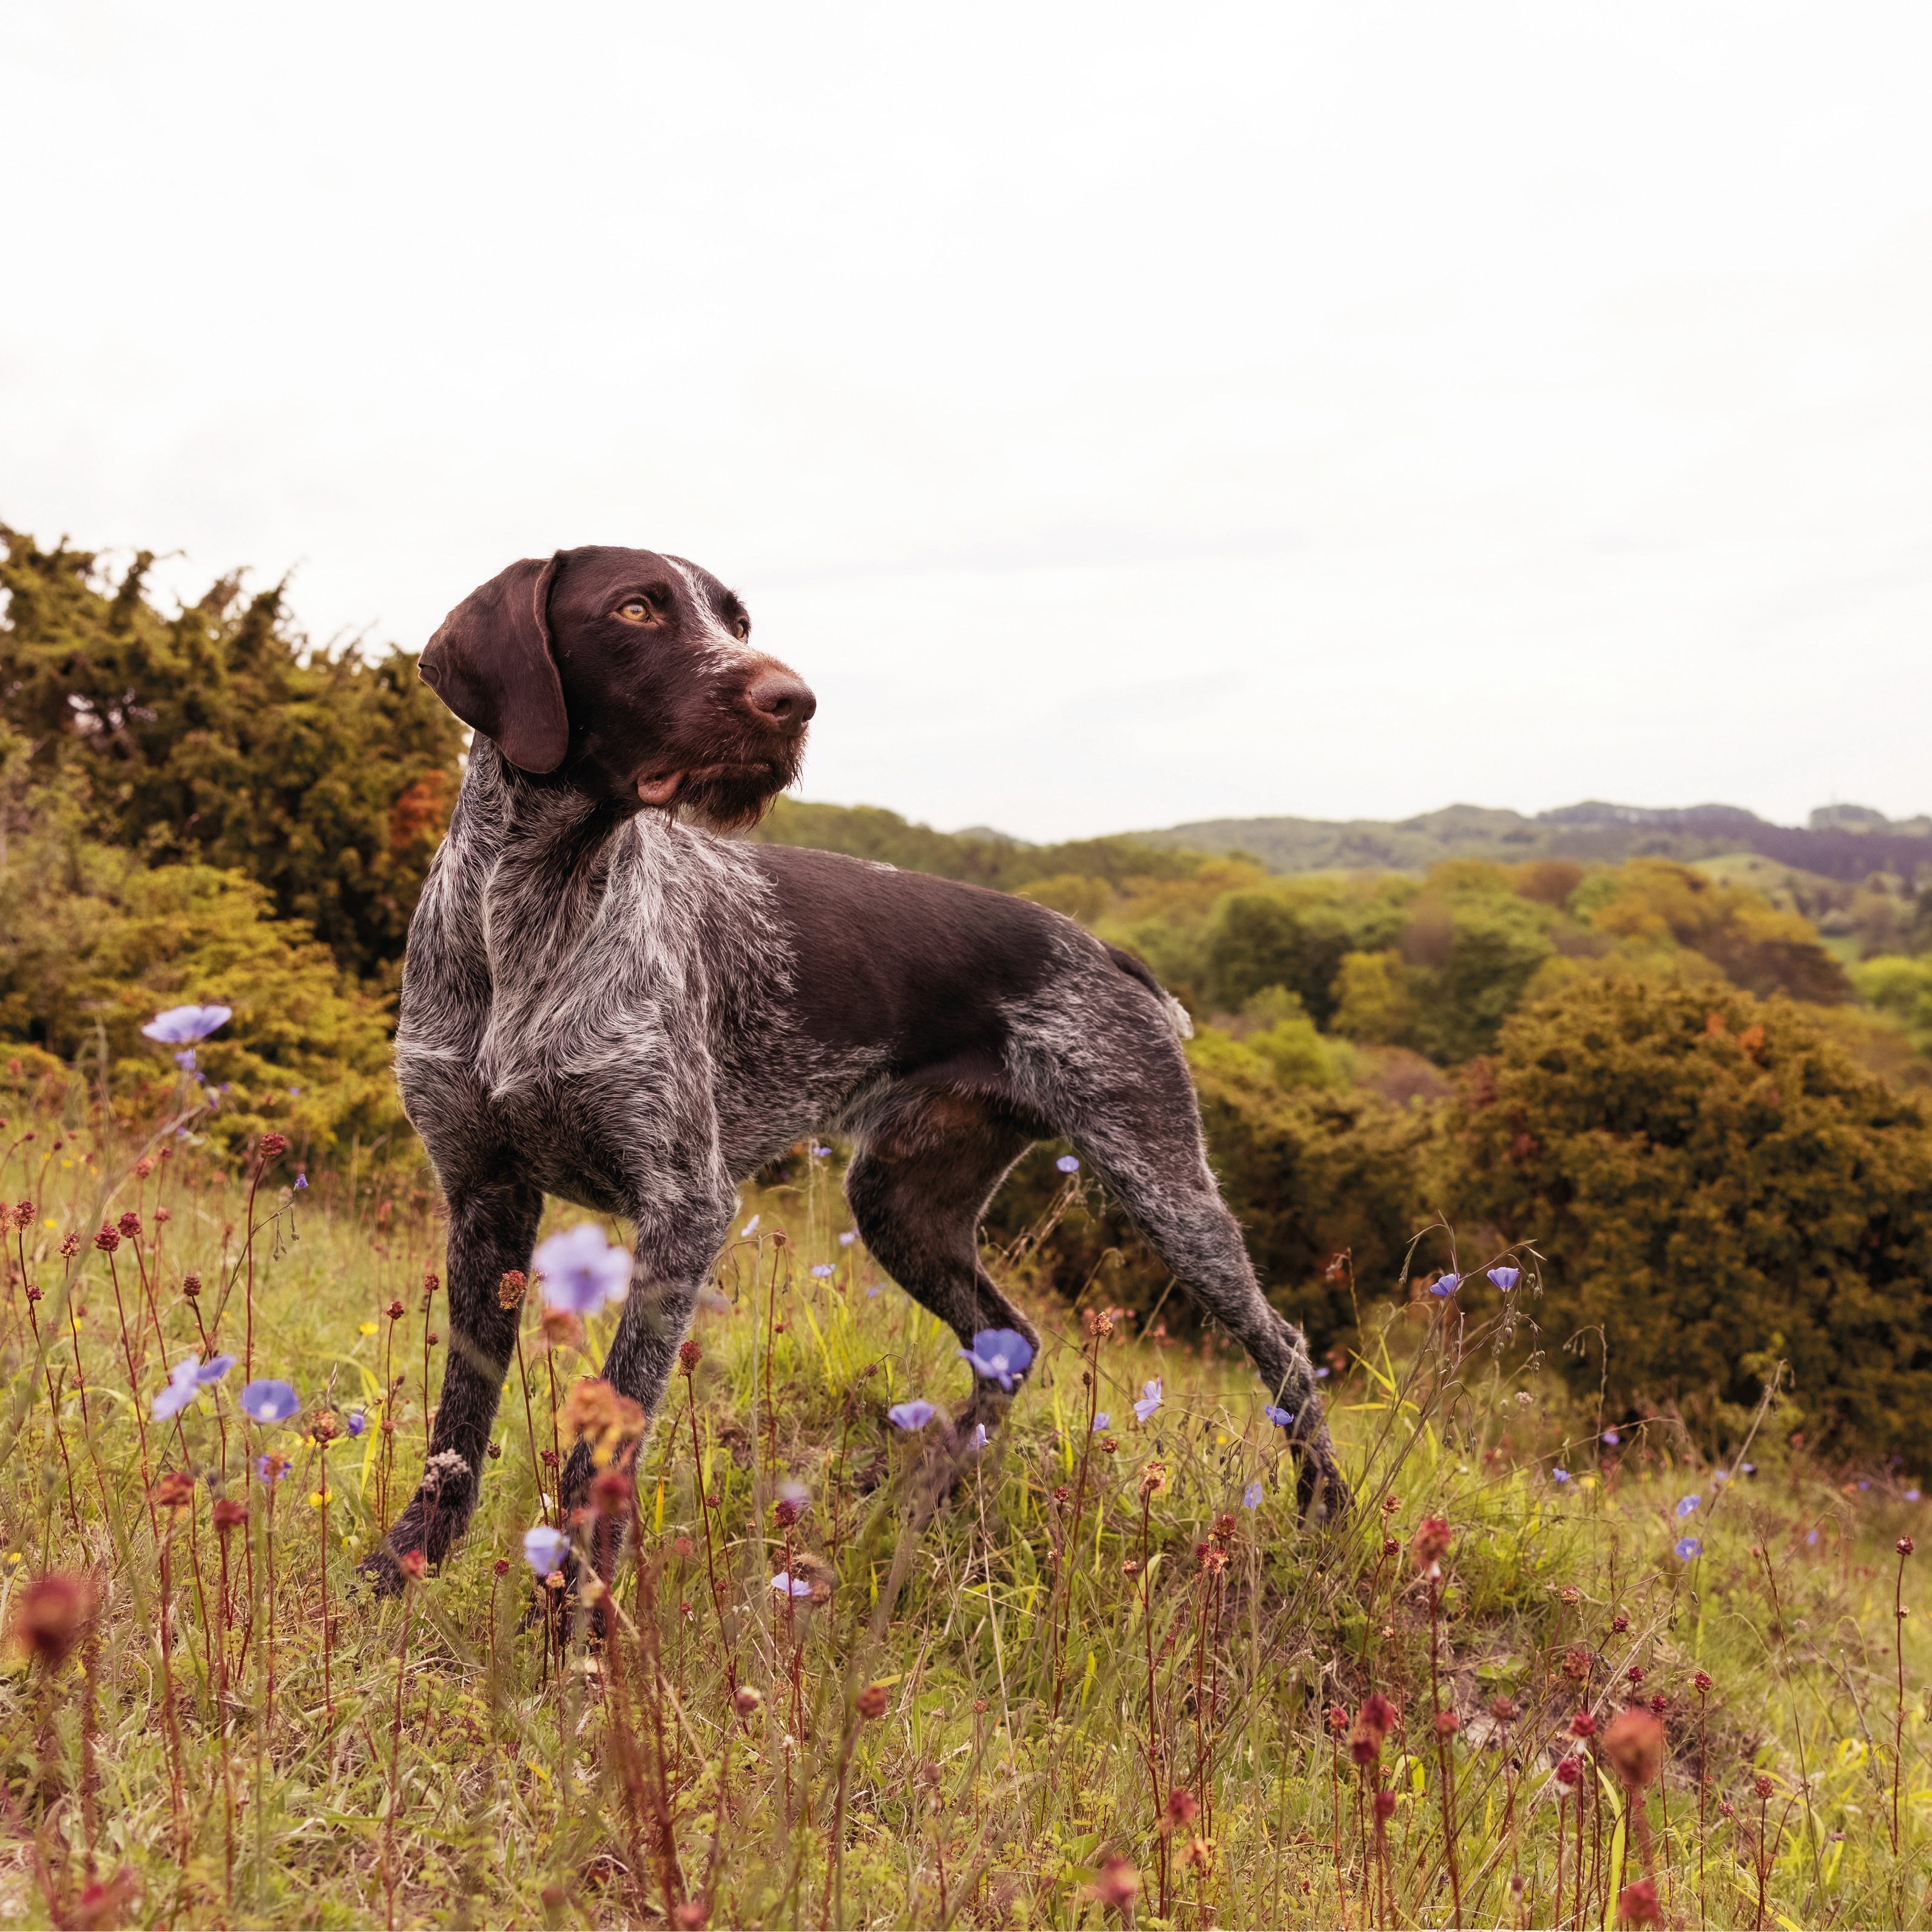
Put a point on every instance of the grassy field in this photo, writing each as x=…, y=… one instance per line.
x=1113, y=1681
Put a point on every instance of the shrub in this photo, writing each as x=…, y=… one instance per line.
x=215, y=737
x=95, y=943
x=1710, y=1177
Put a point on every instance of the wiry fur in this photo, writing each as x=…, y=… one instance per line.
x=611, y=1006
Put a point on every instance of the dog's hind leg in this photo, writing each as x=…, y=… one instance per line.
x=918, y=1187
x=493, y=1222
x=1120, y=1091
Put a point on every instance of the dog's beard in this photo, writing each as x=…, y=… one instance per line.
x=732, y=795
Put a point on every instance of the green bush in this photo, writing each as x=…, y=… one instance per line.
x=94, y=944
x=215, y=737
x=1710, y=1178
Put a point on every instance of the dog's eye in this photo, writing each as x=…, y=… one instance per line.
x=742, y=629
x=635, y=610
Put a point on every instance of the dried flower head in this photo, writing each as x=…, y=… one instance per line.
x=1702, y=1682
x=1636, y=1904
x=610, y=1493
x=1569, y=1773
x=787, y=1511
x=873, y=1700
x=1904, y=1545
x=130, y=1225
x=229, y=1514
x=1448, y=1723
x=51, y=1615
x=190, y=1285
x=595, y=1412
x=274, y=1146
x=1373, y=1723
x=1384, y=1807
x=1620, y=1623
x=689, y=1355
x=1577, y=1662
x=512, y=1288
x=1118, y=1884
x=747, y=1701
x=1337, y=1720
x=1583, y=1725
x=108, y=1240
x=1153, y=1476
x=1431, y=1545
x=171, y=1491
x=1762, y=1786
x=1182, y=1808
x=395, y=1311
x=1633, y=1743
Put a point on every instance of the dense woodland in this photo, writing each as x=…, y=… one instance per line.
x=1695, y=1077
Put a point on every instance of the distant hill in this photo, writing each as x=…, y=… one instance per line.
x=1844, y=842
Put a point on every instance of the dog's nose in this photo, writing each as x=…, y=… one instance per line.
x=782, y=699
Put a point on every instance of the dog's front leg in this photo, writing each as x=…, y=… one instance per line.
x=680, y=1230
x=492, y=1224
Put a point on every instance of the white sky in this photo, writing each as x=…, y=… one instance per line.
x=1120, y=414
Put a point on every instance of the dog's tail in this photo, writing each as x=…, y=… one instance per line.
x=1138, y=969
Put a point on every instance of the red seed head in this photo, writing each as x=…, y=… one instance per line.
x=1448, y=1723
x=1431, y=1543
x=51, y=1615
x=512, y=1288
x=414, y=1566
x=1182, y=1808
x=130, y=1225
x=1338, y=1720
x=229, y=1514
x=689, y=1355
x=746, y=1701
x=787, y=1511
x=1633, y=1743
x=23, y=1214
x=1569, y=1773
x=1636, y=1904
x=1118, y=1884
x=1702, y=1681
x=1904, y=1545
x=107, y=1240
x=610, y=1493
x=69, y=1244
x=1762, y=1786
x=1384, y=1807
x=395, y=1311
x=691, y=1915
x=174, y=1490
x=1583, y=1725
x=501, y=1567
x=1504, y=1710
x=873, y=1700
x=1620, y=1623
x=1373, y=1723
x=1635, y=1673
x=1659, y=1705
x=274, y=1146
x=190, y=1285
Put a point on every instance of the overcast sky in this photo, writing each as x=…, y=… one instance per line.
x=1120, y=414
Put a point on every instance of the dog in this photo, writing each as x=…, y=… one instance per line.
x=606, y=999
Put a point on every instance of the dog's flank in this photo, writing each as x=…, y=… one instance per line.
x=603, y=1002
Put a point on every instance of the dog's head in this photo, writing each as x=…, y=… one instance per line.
x=628, y=675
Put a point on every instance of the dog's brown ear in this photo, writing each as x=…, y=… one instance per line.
x=491, y=662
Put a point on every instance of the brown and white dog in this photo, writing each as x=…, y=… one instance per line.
x=606, y=1001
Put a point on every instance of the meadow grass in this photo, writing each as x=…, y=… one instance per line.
x=1112, y=1681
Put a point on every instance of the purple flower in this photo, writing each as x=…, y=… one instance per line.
x=282, y=1473
x=1251, y=1497
x=581, y=1270
x=544, y=1548
x=1445, y=1285
x=978, y=1440
x=1103, y=1419
x=820, y=1153
x=789, y=1585
x=301, y=1181
x=1813, y=1537
x=999, y=1355
x=1611, y=1436
x=1281, y=1418
x=179, y=1024
x=1067, y=1164
x=846, y=1240
x=1720, y=1475
x=1559, y=1475
x=1321, y=1374
x=1150, y=1401
x=214, y=1368
x=183, y=1385
x=1912, y=1496
x=185, y=1059
x=1505, y=1278
x=910, y=1416
x=358, y=1420
x=270, y=1401
x=821, y=1271
x=1687, y=1505
x=1688, y=1548
x=750, y=1227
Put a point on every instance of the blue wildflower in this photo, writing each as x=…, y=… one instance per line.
x=179, y=1024
x=358, y=1420
x=185, y=1059
x=580, y=1271
x=1505, y=1278
x=1912, y=1496
x=1611, y=1436
x=789, y=1585
x=1067, y=1164
x=1559, y=1475
x=846, y=1240
x=821, y=1271
x=1687, y=1505
x=301, y=1181
x=269, y=1401
x=1445, y=1284
x=1000, y=1354
x=183, y=1385
x=1151, y=1399
x=978, y=1440
x=1103, y=1418
x=1322, y=1374
x=1813, y=1537
x=1251, y=1497
x=911, y=1415
x=1281, y=1418
x=820, y=1153
x=1688, y=1548
x=544, y=1548
x=750, y=1227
